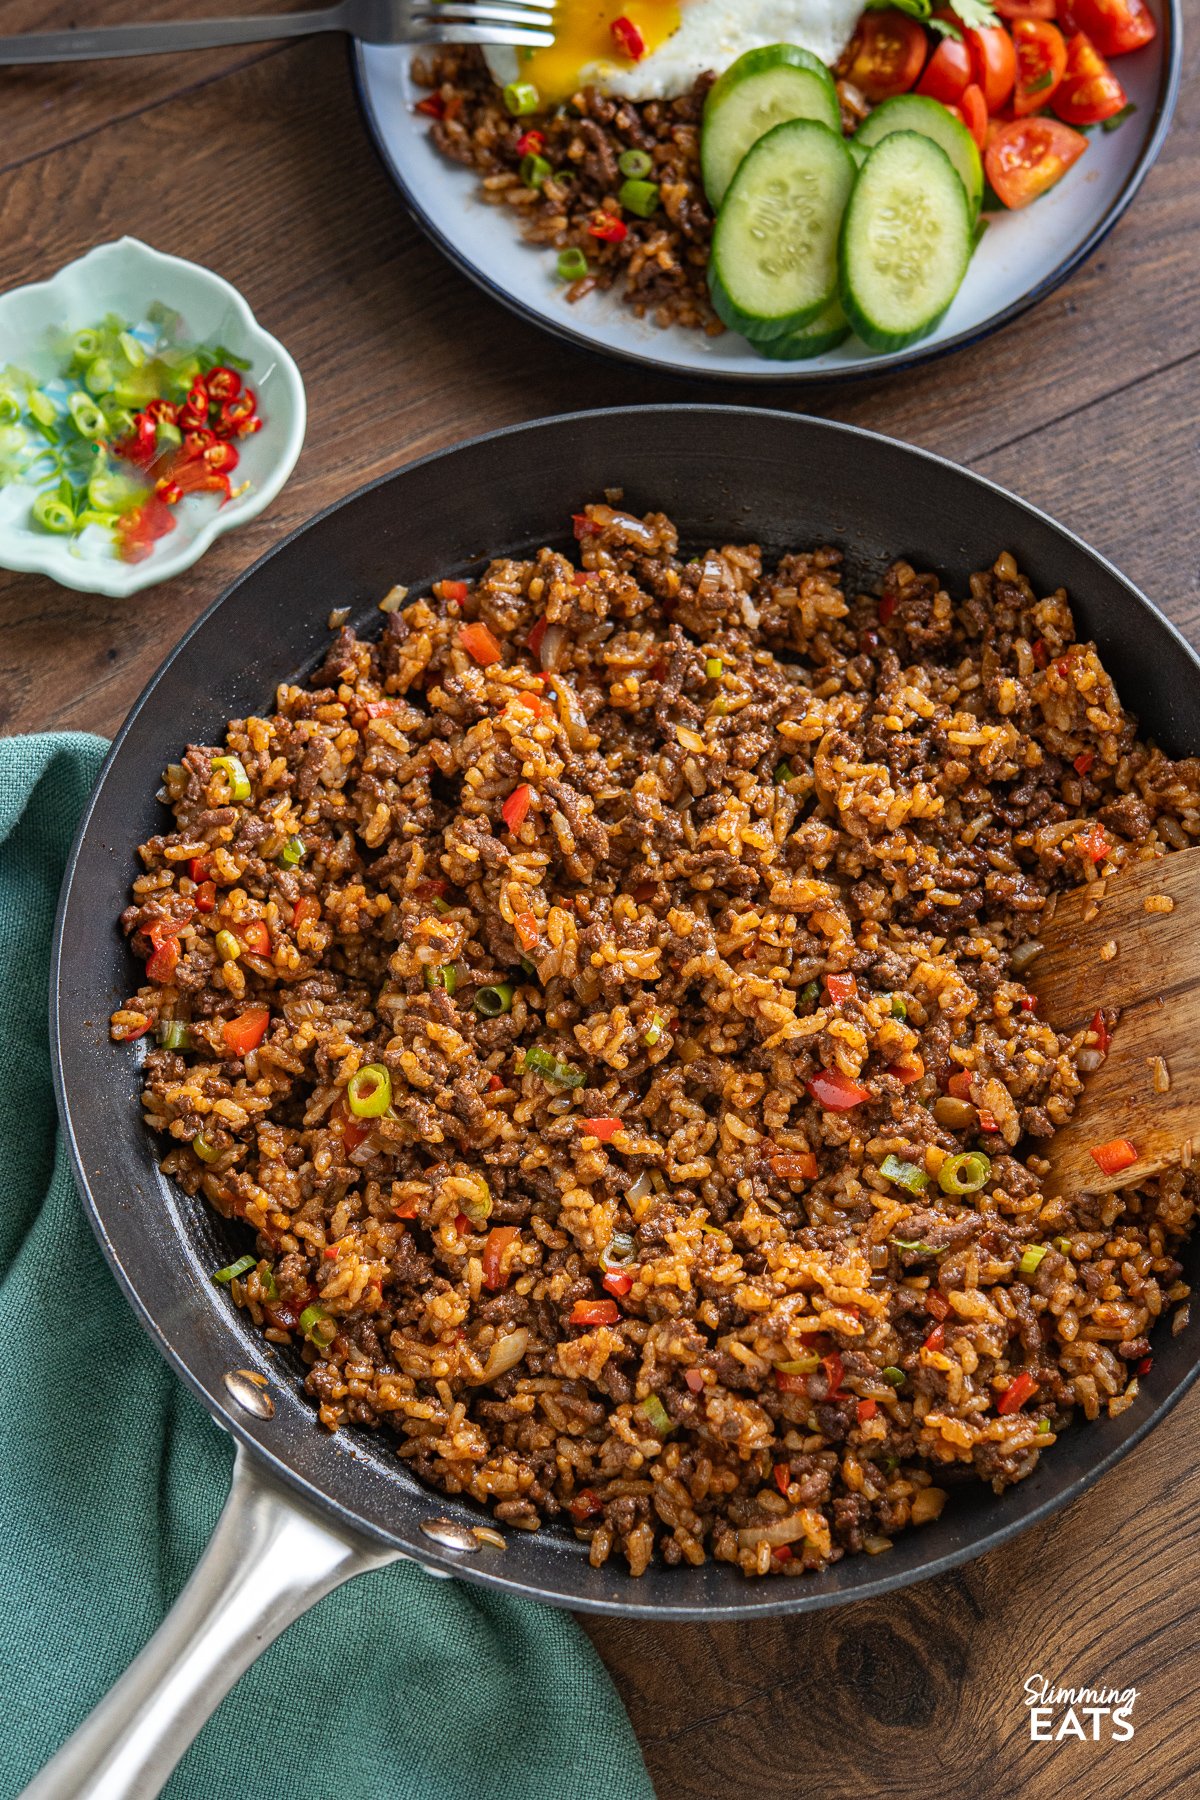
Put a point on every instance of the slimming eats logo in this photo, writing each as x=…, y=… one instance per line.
x=1090, y=1714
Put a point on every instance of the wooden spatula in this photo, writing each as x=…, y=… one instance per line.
x=1118, y=943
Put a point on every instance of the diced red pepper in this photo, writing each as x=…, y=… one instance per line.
x=307, y=909
x=1063, y=666
x=610, y=230
x=247, y=1031
x=782, y=1553
x=840, y=988
x=515, y=810
x=534, y=641
x=354, y=1131
x=1028, y=1002
x=867, y=1410
x=987, y=1120
x=937, y=1304
x=498, y=1240
x=131, y=1037
x=605, y=1129
x=1041, y=654
x=585, y=1505
x=936, y=1339
x=584, y=527
x=198, y=869
x=1017, y=1393
x=164, y=959
x=911, y=1069
x=494, y=1084
x=887, y=607
x=407, y=1211
x=791, y=1384
x=595, y=1312
x=462, y=1224
x=581, y=577
x=1103, y=1039
x=695, y=1380
x=1145, y=1366
x=454, y=590
x=1084, y=761
x=1111, y=1158
x=256, y=937
x=783, y=1478
x=959, y=1084
x=206, y=897
x=794, y=1165
x=628, y=38
x=617, y=1285
x=526, y=927
x=433, y=106
x=836, y=1092
x=835, y=1371
x=478, y=642
x=1093, y=844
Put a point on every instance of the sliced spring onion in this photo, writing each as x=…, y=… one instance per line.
x=634, y=163
x=904, y=1174
x=521, y=97
x=619, y=1251
x=535, y=170
x=444, y=977
x=228, y=948
x=369, y=1091
x=490, y=1002
x=653, y=1031
x=809, y=994
x=85, y=345
x=898, y=1008
x=41, y=408
x=90, y=421
x=53, y=514
x=478, y=1204
x=714, y=668
x=242, y=1266
x=1028, y=1264
x=917, y=1244
x=318, y=1327
x=292, y=852
x=234, y=771
x=172, y=1034
x=440, y=905
x=656, y=1416
x=893, y=1375
x=640, y=197
x=965, y=1173
x=204, y=1150
x=572, y=265
x=1063, y=1244
x=783, y=771
x=554, y=1070
x=530, y=967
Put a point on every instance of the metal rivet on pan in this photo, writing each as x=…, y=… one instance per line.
x=449, y=1534
x=249, y=1389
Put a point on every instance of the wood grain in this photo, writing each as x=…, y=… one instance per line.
x=260, y=167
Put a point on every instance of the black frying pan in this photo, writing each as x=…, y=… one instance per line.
x=724, y=475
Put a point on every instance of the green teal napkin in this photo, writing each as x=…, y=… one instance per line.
x=111, y=1478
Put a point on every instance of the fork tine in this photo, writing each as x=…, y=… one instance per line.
x=468, y=12
x=441, y=32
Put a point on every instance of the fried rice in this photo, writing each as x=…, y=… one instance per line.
x=664, y=1248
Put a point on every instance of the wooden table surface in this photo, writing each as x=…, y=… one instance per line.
x=257, y=163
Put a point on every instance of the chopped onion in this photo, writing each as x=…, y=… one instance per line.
x=505, y=1353
x=750, y=613
x=393, y=600
x=783, y=1531
x=1024, y=954
x=1090, y=1060
x=710, y=577
x=550, y=648
x=640, y=1189
x=570, y=712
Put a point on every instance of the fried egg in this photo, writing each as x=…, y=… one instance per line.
x=683, y=39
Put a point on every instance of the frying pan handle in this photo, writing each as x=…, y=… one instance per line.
x=271, y=1557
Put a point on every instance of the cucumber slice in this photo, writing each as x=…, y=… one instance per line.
x=826, y=332
x=915, y=112
x=760, y=90
x=906, y=242
x=773, y=266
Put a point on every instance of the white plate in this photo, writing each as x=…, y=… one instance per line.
x=1022, y=257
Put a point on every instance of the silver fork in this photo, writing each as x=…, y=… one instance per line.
x=520, y=22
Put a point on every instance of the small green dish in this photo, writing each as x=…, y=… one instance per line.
x=126, y=277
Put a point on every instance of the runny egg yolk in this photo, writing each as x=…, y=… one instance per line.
x=583, y=36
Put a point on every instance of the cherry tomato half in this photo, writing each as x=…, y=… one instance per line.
x=1026, y=9
x=889, y=51
x=994, y=64
x=971, y=111
x=1028, y=156
x=1041, y=59
x=947, y=72
x=1114, y=26
x=1088, y=91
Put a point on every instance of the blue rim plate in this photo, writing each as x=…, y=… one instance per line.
x=1023, y=256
